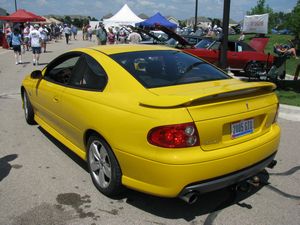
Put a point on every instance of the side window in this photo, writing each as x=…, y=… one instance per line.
x=61, y=69
x=88, y=74
x=216, y=46
x=239, y=48
x=231, y=46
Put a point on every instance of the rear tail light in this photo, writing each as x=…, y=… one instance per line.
x=276, y=115
x=174, y=136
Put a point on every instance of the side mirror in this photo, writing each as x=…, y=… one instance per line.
x=37, y=74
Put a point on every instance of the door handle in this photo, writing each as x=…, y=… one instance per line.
x=55, y=99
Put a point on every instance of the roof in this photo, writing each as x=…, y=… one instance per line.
x=143, y=16
x=53, y=20
x=114, y=49
x=107, y=16
x=157, y=19
x=3, y=12
x=124, y=16
x=22, y=15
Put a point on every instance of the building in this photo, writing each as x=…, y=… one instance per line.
x=202, y=22
x=173, y=20
x=3, y=12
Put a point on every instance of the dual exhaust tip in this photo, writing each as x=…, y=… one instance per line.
x=192, y=196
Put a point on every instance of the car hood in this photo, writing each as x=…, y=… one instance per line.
x=259, y=44
x=173, y=35
x=199, y=93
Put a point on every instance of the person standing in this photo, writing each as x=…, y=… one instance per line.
x=74, y=31
x=44, y=37
x=16, y=40
x=35, y=40
x=101, y=34
x=122, y=36
x=111, y=36
x=84, y=30
x=26, y=32
x=67, y=31
x=90, y=33
x=242, y=37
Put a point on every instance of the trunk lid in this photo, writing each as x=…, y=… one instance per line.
x=216, y=105
x=259, y=44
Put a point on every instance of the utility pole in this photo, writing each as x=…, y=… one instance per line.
x=16, y=8
x=196, y=15
x=224, y=45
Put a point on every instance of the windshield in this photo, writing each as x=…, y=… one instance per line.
x=167, y=67
x=205, y=43
x=171, y=42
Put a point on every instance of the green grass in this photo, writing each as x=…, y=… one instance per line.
x=275, y=38
x=288, y=97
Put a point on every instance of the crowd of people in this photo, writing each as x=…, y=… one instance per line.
x=22, y=37
x=111, y=35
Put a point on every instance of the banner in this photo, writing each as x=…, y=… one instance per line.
x=256, y=24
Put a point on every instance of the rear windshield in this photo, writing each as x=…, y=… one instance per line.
x=166, y=68
x=205, y=43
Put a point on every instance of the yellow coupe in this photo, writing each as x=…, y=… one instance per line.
x=154, y=119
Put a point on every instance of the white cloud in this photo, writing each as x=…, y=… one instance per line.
x=181, y=9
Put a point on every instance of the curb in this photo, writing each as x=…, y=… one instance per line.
x=289, y=112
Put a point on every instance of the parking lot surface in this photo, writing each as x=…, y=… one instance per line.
x=42, y=182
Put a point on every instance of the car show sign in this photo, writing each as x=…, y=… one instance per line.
x=256, y=24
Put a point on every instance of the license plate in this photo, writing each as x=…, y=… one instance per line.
x=242, y=128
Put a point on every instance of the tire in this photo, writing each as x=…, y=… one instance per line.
x=28, y=110
x=253, y=70
x=103, y=166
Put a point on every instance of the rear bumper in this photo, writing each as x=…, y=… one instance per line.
x=171, y=180
x=225, y=181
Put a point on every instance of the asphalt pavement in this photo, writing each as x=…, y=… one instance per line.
x=43, y=183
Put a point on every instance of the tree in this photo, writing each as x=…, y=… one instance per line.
x=262, y=8
x=77, y=22
x=182, y=23
x=294, y=20
x=93, y=19
x=67, y=20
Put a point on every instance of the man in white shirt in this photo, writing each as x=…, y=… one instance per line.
x=44, y=36
x=35, y=41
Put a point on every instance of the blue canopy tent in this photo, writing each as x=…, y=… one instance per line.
x=156, y=19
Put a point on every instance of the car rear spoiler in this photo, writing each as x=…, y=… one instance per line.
x=175, y=101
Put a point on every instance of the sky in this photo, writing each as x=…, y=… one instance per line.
x=180, y=9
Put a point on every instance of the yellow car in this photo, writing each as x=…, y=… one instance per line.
x=154, y=119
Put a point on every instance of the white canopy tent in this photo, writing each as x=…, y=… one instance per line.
x=123, y=17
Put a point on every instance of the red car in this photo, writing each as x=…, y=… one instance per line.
x=240, y=55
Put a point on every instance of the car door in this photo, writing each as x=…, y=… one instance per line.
x=48, y=91
x=86, y=84
x=234, y=55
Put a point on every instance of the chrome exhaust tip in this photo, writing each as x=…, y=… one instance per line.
x=190, y=197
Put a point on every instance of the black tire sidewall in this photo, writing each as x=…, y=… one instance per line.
x=30, y=113
x=115, y=186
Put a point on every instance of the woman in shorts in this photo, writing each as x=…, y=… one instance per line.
x=16, y=40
